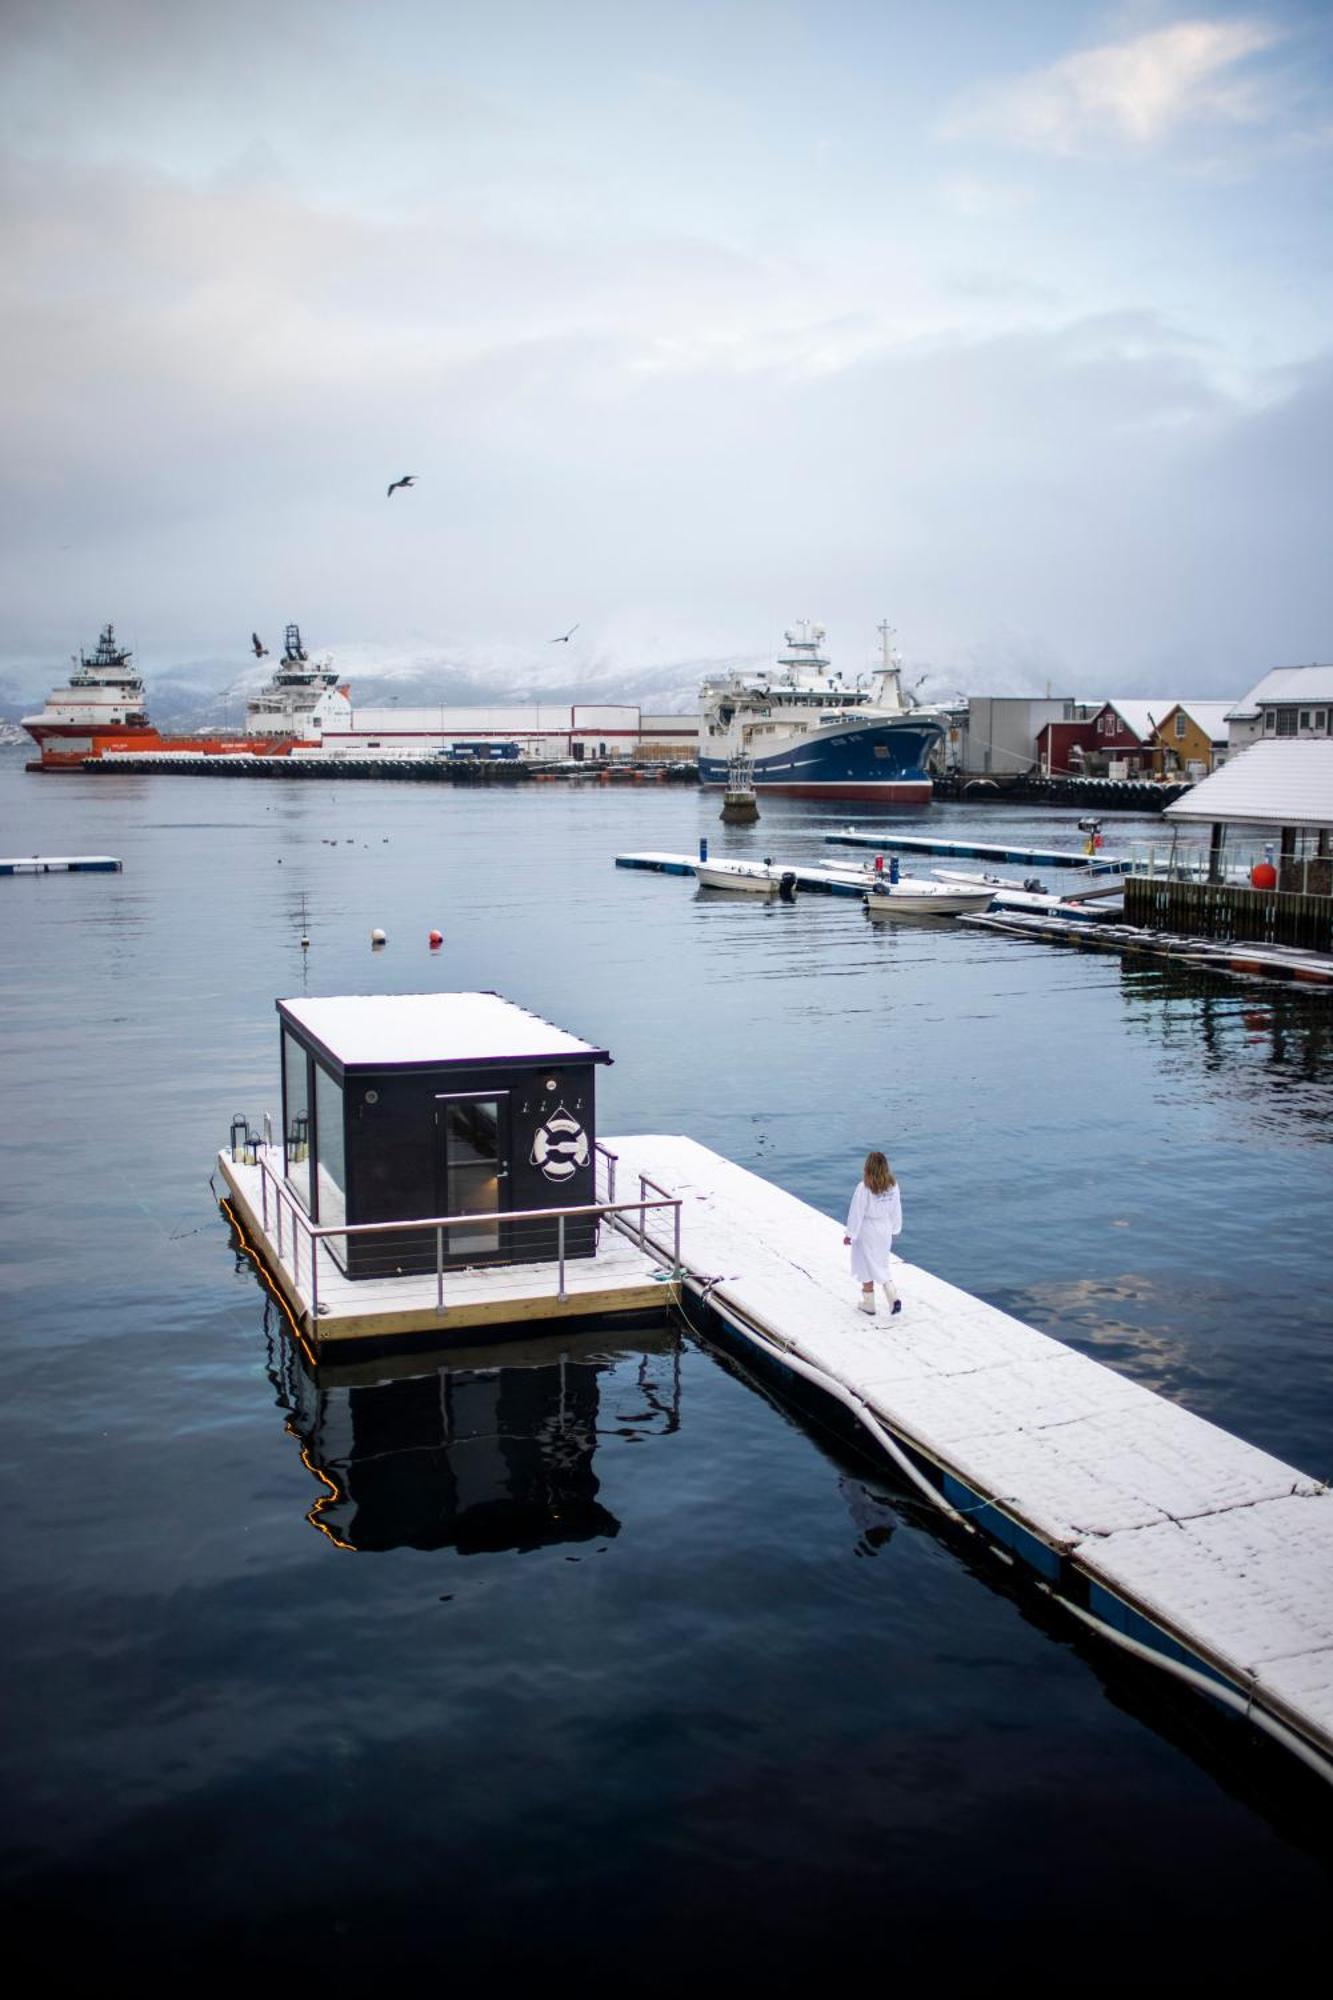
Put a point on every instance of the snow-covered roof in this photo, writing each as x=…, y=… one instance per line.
x=1271, y=784
x=1209, y=716
x=370, y=1029
x=1312, y=683
x=1143, y=717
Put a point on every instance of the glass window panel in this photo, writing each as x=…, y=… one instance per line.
x=331, y=1170
x=296, y=1099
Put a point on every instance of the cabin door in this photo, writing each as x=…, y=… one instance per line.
x=472, y=1170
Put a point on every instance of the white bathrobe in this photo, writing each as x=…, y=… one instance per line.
x=873, y=1220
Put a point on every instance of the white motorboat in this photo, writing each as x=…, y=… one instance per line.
x=752, y=878
x=909, y=897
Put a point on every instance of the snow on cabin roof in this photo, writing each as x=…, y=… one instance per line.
x=1312, y=683
x=1143, y=716
x=372, y=1029
x=1271, y=784
x=1210, y=716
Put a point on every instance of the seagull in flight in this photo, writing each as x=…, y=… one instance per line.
x=563, y=638
x=261, y=650
x=408, y=479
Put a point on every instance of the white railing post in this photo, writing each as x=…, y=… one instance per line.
x=560, y=1252
x=439, y=1269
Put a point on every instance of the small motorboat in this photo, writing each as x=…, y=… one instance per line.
x=752, y=878
x=909, y=897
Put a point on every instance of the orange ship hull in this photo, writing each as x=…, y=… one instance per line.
x=70, y=749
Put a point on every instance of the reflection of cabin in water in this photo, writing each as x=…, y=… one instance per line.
x=477, y=1458
x=437, y=1104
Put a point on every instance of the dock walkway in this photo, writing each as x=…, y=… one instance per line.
x=1171, y=1537
x=1039, y=857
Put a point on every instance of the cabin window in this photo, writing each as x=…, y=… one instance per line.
x=1305, y=718
x=330, y=1161
x=296, y=1117
x=1270, y=720
x=1321, y=718
x=1180, y=725
x=1286, y=722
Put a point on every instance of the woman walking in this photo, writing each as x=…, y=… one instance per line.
x=873, y=1220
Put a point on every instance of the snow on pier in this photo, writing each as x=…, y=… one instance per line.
x=1166, y=1533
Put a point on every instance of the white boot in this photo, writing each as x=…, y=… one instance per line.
x=868, y=1303
x=895, y=1304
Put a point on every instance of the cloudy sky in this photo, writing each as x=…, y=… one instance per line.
x=1009, y=320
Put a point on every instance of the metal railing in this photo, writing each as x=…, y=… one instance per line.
x=288, y=1227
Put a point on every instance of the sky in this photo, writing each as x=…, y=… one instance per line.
x=1009, y=323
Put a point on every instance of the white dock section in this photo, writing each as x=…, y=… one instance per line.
x=1166, y=1533
x=823, y=881
x=980, y=850
x=61, y=864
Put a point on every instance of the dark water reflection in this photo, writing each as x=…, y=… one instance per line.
x=594, y=1655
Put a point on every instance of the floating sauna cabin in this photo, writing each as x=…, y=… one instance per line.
x=435, y=1105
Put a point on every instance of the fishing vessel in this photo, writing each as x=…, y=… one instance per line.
x=102, y=712
x=811, y=734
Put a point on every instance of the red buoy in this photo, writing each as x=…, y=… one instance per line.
x=436, y=940
x=1263, y=875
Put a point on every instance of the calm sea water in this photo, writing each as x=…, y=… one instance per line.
x=588, y=1653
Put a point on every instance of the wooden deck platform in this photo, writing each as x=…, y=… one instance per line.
x=621, y=1278
x=1167, y=1535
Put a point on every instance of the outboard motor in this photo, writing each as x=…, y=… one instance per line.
x=787, y=885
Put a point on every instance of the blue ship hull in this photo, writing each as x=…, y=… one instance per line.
x=884, y=763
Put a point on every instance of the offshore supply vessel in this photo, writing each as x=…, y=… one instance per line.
x=101, y=711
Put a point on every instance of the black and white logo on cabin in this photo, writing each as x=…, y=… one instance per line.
x=560, y=1146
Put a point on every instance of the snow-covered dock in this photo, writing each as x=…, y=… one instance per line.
x=61, y=864
x=1240, y=958
x=1039, y=857
x=1171, y=1538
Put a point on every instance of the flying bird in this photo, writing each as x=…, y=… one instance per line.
x=261, y=650
x=563, y=638
x=408, y=479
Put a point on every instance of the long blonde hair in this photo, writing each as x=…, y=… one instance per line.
x=878, y=1173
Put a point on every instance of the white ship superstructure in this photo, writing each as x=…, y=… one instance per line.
x=302, y=698
x=104, y=692
x=812, y=734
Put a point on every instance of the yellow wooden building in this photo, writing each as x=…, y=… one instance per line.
x=1191, y=739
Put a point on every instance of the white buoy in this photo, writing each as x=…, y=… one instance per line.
x=377, y=938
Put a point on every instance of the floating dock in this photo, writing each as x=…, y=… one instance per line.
x=1239, y=958
x=1038, y=857
x=1170, y=1538
x=822, y=881
x=331, y=1312
x=62, y=864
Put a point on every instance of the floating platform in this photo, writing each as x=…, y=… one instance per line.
x=338, y=1312
x=1240, y=958
x=822, y=881
x=62, y=864
x=1167, y=1536
x=1039, y=857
